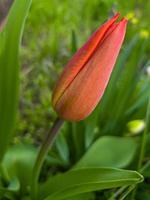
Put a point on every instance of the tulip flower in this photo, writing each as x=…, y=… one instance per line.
x=85, y=77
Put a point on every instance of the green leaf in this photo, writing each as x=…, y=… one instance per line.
x=148, y=116
x=11, y=189
x=84, y=196
x=109, y=151
x=74, y=42
x=77, y=143
x=19, y=161
x=86, y=180
x=141, y=97
x=62, y=148
x=9, y=70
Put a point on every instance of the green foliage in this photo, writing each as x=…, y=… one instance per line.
x=9, y=71
x=86, y=180
x=10, y=190
x=107, y=151
x=74, y=168
x=19, y=161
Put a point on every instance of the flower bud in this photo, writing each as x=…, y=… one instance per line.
x=85, y=77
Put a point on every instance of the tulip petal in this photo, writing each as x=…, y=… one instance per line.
x=82, y=95
x=80, y=58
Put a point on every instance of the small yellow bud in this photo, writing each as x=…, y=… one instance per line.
x=144, y=33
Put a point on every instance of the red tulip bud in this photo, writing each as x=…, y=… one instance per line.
x=84, y=79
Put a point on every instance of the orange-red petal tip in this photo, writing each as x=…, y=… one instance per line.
x=124, y=20
x=117, y=15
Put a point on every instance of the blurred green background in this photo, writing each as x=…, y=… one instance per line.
x=54, y=31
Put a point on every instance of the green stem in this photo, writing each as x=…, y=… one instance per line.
x=144, y=138
x=117, y=193
x=143, y=144
x=47, y=144
x=145, y=167
x=142, y=152
x=125, y=194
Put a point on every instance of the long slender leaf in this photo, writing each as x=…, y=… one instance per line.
x=86, y=180
x=9, y=70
